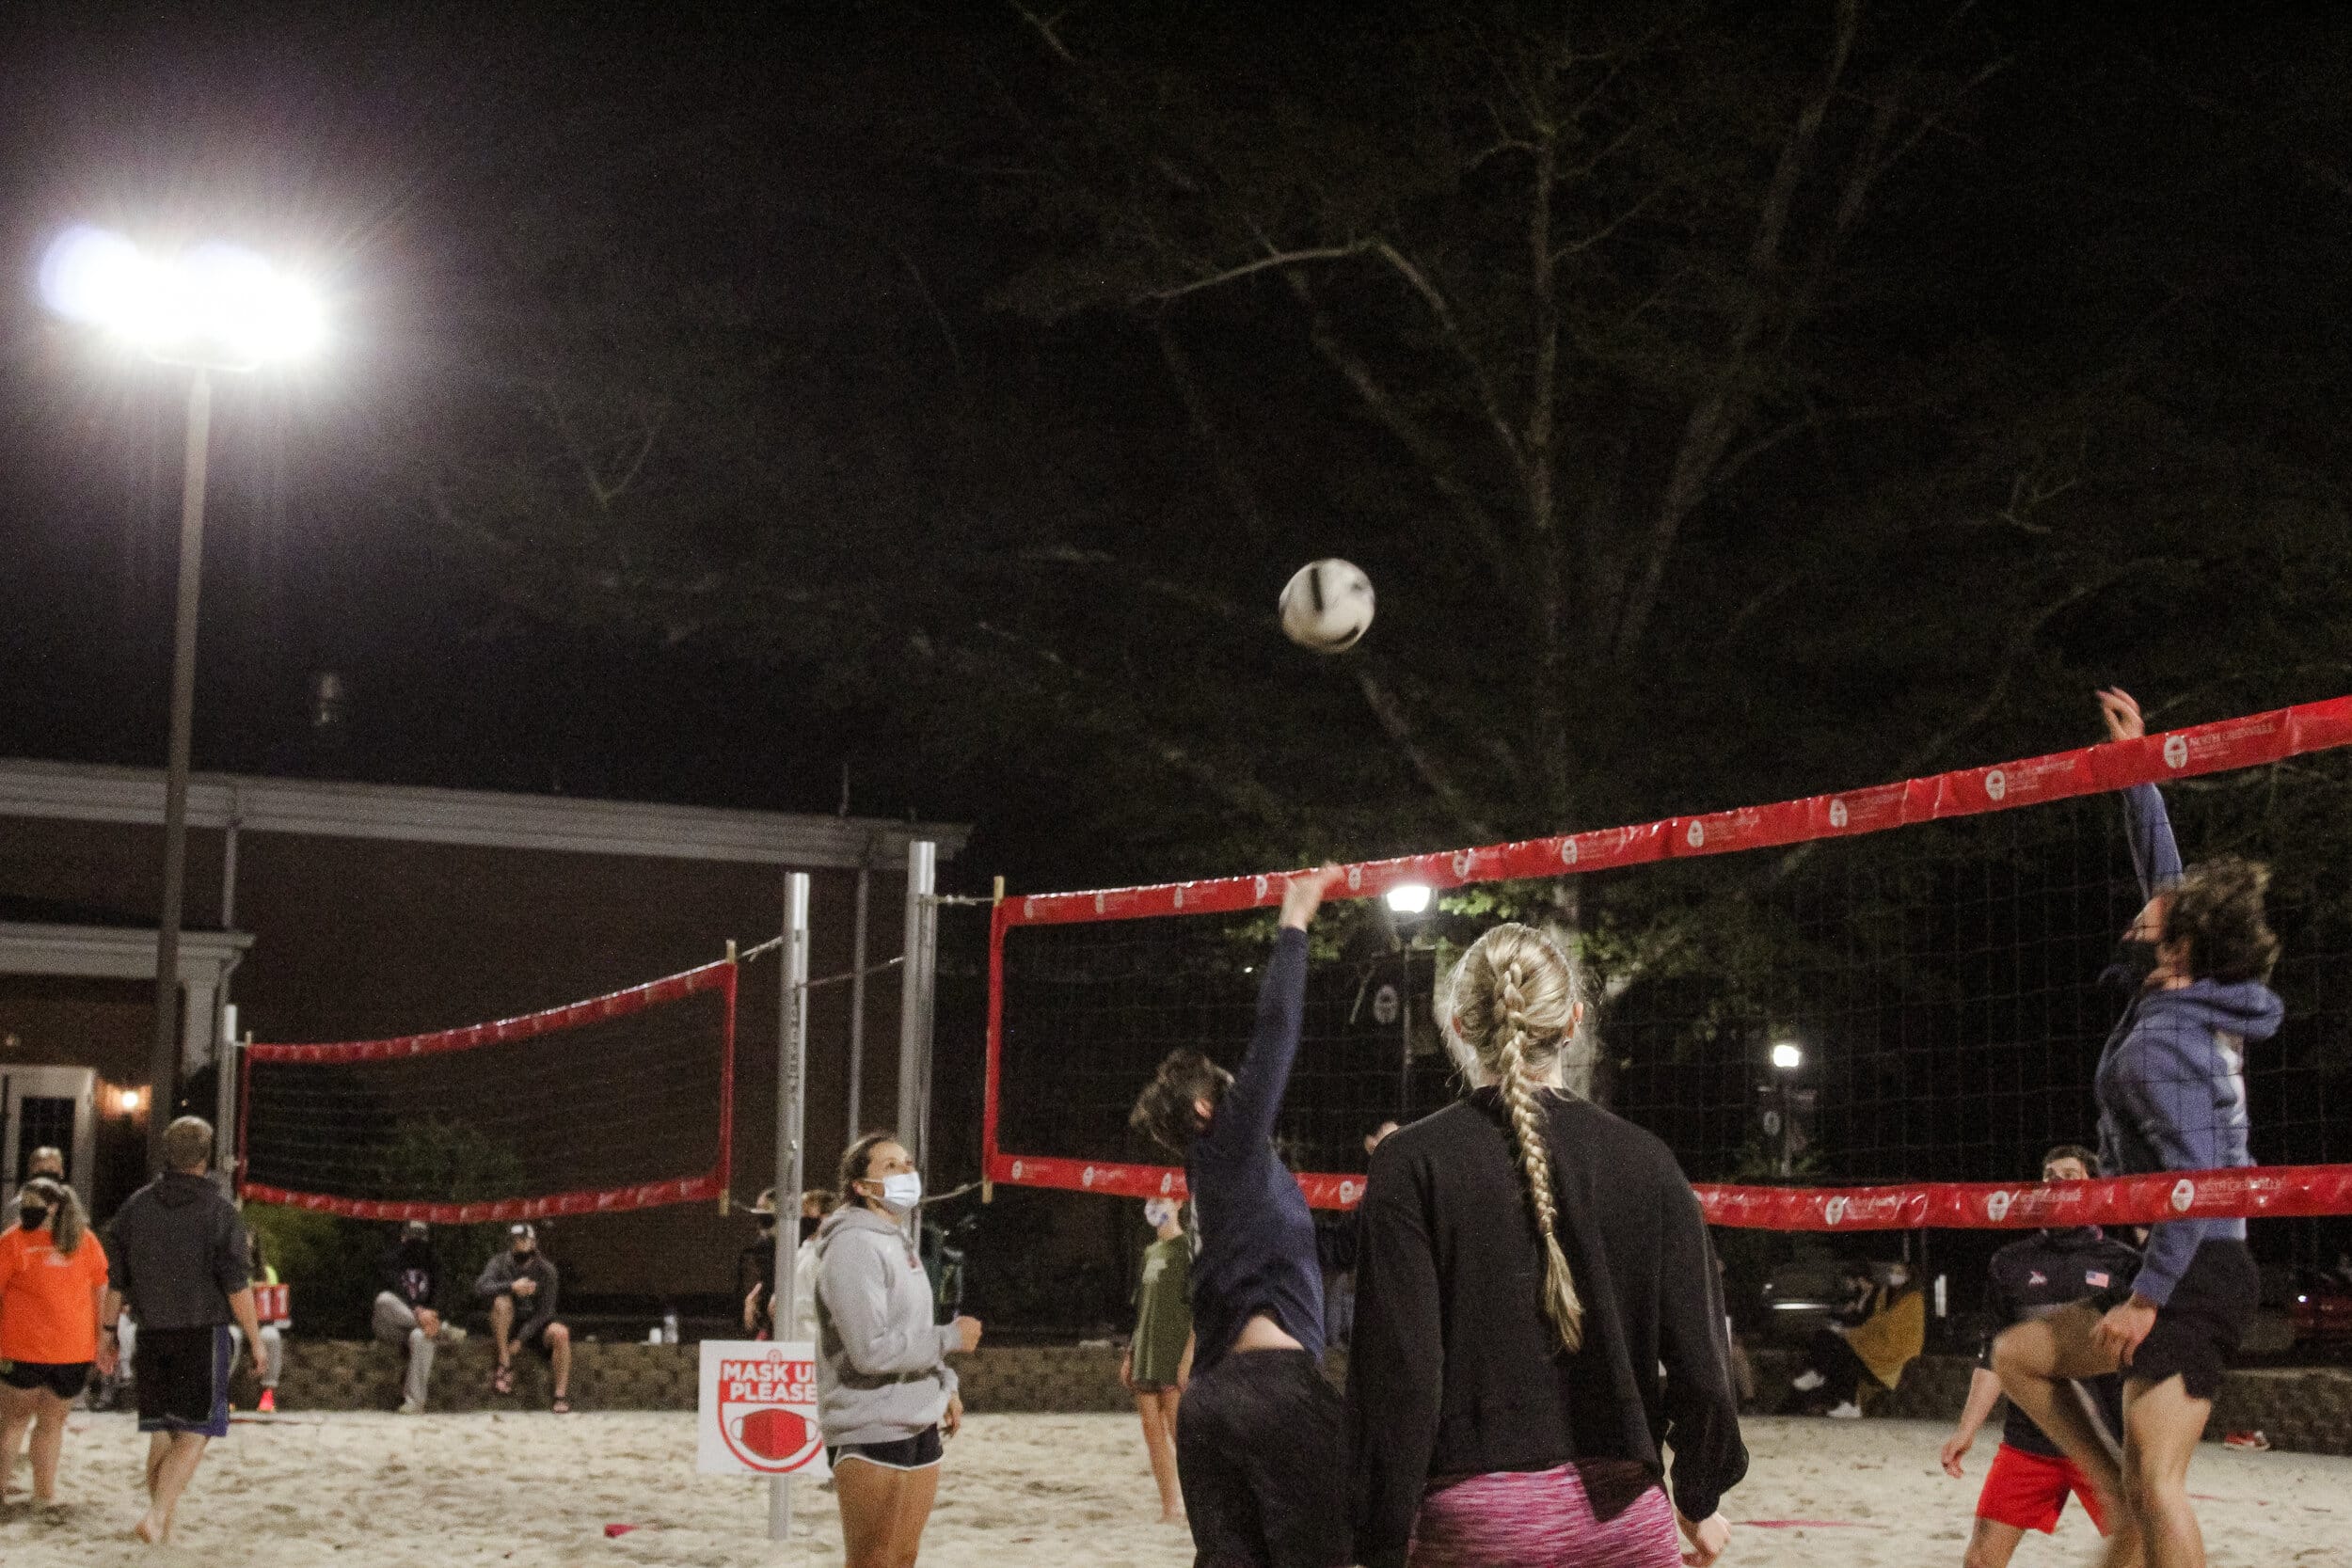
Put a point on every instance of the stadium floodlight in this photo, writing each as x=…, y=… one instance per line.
x=1410, y=897
x=1787, y=1055
x=214, y=308
x=216, y=305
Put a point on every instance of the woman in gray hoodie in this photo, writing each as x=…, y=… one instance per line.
x=884, y=1391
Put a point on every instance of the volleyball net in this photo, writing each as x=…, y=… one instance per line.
x=1868, y=1011
x=621, y=1101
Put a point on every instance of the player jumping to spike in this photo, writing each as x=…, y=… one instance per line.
x=2171, y=1090
x=2027, y=1487
x=1259, y=1436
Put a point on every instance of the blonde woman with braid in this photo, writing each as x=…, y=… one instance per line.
x=1538, y=1314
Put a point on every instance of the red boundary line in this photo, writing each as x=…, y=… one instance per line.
x=619, y=1003
x=605, y=1200
x=2217, y=748
x=2267, y=1192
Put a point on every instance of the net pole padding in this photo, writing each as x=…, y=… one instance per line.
x=914, y=1003
x=2217, y=748
x=2253, y=1192
x=792, y=1096
x=996, y=1019
x=726, y=1170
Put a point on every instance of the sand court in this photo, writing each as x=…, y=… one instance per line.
x=535, y=1491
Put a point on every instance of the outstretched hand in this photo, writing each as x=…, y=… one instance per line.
x=2122, y=712
x=1305, y=893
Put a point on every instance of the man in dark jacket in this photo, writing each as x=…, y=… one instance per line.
x=409, y=1281
x=520, y=1286
x=178, y=1256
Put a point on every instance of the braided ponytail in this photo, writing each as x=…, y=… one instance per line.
x=1517, y=1088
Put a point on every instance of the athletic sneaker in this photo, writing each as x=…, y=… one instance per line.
x=1846, y=1411
x=1806, y=1380
x=269, y=1402
x=411, y=1407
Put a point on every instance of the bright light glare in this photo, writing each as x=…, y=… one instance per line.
x=127, y=1101
x=1409, y=899
x=218, y=304
x=1788, y=1057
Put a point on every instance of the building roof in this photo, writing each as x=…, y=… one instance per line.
x=81, y=792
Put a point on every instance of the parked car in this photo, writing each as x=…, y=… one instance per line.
x=2321, y=1309
x=1807, y=1294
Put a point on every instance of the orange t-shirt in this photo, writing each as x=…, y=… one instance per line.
x=46, y=1314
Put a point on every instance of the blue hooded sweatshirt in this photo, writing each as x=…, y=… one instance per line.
x=2171, y=1081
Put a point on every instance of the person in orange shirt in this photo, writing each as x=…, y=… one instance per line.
x=53, y=1275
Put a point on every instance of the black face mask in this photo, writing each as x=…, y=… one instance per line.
x=33, y=1218
x=808, y=1226
x=2135, y=960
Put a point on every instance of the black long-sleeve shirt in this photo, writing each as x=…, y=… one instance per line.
x=1456, y=1370
x=1257, y=1237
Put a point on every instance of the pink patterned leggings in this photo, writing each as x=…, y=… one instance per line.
x=1539, y=1519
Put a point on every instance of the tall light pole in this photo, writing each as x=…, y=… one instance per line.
x=212, y=309
x=1407, y=901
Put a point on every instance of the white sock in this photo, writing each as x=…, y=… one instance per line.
x=1806, y=1380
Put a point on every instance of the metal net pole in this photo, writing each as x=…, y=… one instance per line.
x=791, y=1083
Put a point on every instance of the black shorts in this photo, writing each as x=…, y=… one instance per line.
x=64, y=1379
x=919, y=1452
x=2201, y=1328
x=183, y=1377
x=1260, y=1454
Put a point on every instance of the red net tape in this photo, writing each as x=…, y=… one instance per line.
x=2233, y=743
x=2275, y=1192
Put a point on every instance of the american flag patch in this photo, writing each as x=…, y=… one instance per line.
x=2096, y=1278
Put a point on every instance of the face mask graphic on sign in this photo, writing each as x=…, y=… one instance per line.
x=771, y=1432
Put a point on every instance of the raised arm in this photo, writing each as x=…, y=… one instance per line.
x=1246, y=1117
x=2156, y=857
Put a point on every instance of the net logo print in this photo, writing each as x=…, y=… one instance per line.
x=1695, y=834
x=1567, y=850
x=2184, y=1193
x=757, y=1414
x=2176, y=751
x=1997, y=1206
x=1837, y=814
x=1834, y=1212
x=1996, y=783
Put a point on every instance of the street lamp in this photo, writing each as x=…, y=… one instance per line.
x=212, y=308
x=1409, y=898
x=1788, y=1057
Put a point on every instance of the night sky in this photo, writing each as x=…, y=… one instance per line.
x=2149, y=198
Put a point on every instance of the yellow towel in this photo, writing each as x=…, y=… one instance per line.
x=1892, y=1337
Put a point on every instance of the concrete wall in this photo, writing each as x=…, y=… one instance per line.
x=2308, y=1411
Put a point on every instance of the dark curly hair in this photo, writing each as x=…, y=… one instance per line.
x=1165, y=1112
x=2216, y=908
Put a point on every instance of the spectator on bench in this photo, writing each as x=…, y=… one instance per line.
x=409, y=1282
x=520, y=1286
x=273, y=1341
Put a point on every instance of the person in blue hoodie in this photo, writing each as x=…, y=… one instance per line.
x=2171, y=1091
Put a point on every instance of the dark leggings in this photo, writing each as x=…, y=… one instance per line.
x=1841, y=1370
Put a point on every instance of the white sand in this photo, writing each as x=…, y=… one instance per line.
x=1048, y=1491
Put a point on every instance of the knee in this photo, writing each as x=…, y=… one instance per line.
x=419, y=1339
x=503, y=1309
x=559, y=1335
x=2012, y=1358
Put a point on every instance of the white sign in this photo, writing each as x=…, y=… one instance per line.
x=757, y=1414
x=1385, y=1005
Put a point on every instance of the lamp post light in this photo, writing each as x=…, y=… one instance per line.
x=213, y=308
x=1787, y=1058
x=1407, y=901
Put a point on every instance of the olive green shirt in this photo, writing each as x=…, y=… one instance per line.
x=1163, y=1311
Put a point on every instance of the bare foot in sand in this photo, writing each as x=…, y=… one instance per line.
x=148, y=1530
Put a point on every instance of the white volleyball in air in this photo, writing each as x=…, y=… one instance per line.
x=1327, y=606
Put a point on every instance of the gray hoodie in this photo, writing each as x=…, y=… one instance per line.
x=881, y=1362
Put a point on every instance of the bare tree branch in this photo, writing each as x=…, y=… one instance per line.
x=1281, y=258
x=1399, y=728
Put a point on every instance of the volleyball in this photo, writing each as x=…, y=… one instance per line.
x=1327, y=606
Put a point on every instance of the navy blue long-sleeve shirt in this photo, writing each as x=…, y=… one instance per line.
x=2171, y=1079
x=1257, y=1237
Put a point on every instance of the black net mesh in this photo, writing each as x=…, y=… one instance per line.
x=610, y=1104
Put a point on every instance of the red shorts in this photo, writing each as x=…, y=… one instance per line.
x=2029, y=1490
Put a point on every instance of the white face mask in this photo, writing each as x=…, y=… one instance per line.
x=1158, y=1212
x=902, y=1193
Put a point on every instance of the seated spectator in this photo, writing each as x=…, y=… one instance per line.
x=273, y=1340
x=409, y=1283
x=1890, y=1336
x=520, y=1286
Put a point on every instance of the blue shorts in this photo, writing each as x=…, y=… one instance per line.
x=182, y=1376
